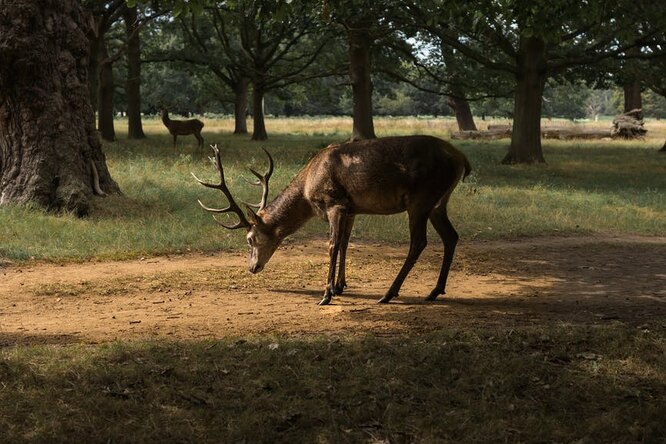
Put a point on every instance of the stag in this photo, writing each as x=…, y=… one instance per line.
x=183, y=128
x=416, y=174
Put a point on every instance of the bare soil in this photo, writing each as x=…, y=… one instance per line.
x=508, y=284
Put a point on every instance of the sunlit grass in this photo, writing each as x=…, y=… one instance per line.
x=586, y=187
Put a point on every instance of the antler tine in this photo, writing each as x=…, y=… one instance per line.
x=256, y=206
x=263, y=180
x=230, y=227
x=233, y=206
x=250, y=182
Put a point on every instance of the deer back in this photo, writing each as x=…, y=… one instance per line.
x=384, y=176
x=181, y=127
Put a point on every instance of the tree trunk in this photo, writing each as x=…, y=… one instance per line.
x=360, y=74
x=530, y=81
x=259, y=130
x=105, y=91
x=93, y=69
x=632, y=95
x=240, y=107
x=463, y=113
x=133, y=82
x=48, y=144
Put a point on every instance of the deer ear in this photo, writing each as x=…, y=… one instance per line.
x=252, y=216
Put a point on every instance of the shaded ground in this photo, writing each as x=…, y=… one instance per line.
x=511, y=284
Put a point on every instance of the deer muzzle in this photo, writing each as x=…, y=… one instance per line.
x=256, y=268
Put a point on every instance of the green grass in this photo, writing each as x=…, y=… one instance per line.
x=555, y=384
x=586, y=187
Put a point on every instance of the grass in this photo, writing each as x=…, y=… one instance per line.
x=556, y=384
x=586, y=187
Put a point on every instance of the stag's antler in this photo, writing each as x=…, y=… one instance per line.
x=263, y=181
x=233, y=206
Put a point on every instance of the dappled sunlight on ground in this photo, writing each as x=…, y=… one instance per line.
x=547, y=281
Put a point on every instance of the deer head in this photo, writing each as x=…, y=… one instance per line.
x=262, y=240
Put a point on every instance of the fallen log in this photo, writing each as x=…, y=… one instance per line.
x=629, y=125
x=562, y=133
x=567, y=133
x=500, y=127
x=483, y=135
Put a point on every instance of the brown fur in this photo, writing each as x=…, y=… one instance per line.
x=183, y=128
x=416, y=174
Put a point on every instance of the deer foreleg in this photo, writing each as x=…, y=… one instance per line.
x=174, y=141
x=417, y=242
x=336, y=221
x=200, y=141
x=341, y=283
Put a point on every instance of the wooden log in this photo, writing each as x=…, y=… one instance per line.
x=483, y=135
x=500, y=127
x=567, y=133
x=629, y=125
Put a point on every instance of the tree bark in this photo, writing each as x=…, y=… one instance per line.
x=259, y=130
x=105, y=90
x=463, y=113
x=632, y=95
x=530, y=81
x=360, y=74
x=133, y=82
x=93, y=68
x=49, y=150
x=240, y=107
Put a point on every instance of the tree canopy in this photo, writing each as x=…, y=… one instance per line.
x=360, y=57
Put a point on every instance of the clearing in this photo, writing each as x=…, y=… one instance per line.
x=542, y=281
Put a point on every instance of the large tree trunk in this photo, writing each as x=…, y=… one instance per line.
x=632, y=95
x=240, y=107
x=530, y=81
x=133, y=82
x=93, y=68
x=360, y=73
x=48, y=145
x=463, y=113
x=105, y=90
x=259, y=130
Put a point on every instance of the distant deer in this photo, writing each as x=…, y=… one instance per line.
x=183, y=128
x=416, y=174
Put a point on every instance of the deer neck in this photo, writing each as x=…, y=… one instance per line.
x=288, y=212
x=165, y=119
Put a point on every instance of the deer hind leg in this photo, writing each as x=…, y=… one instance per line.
x=337, y=221
x=174, y=141
x=341, y=283
x=440, y=220
x=418, y=225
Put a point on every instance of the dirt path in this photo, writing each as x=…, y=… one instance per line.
x=511, y=284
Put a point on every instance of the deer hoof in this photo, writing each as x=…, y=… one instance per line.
x=325, y=301
x=386, y=299
x=339, y=288
x=433, y=295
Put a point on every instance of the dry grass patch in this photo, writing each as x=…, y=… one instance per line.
x=553, y=384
